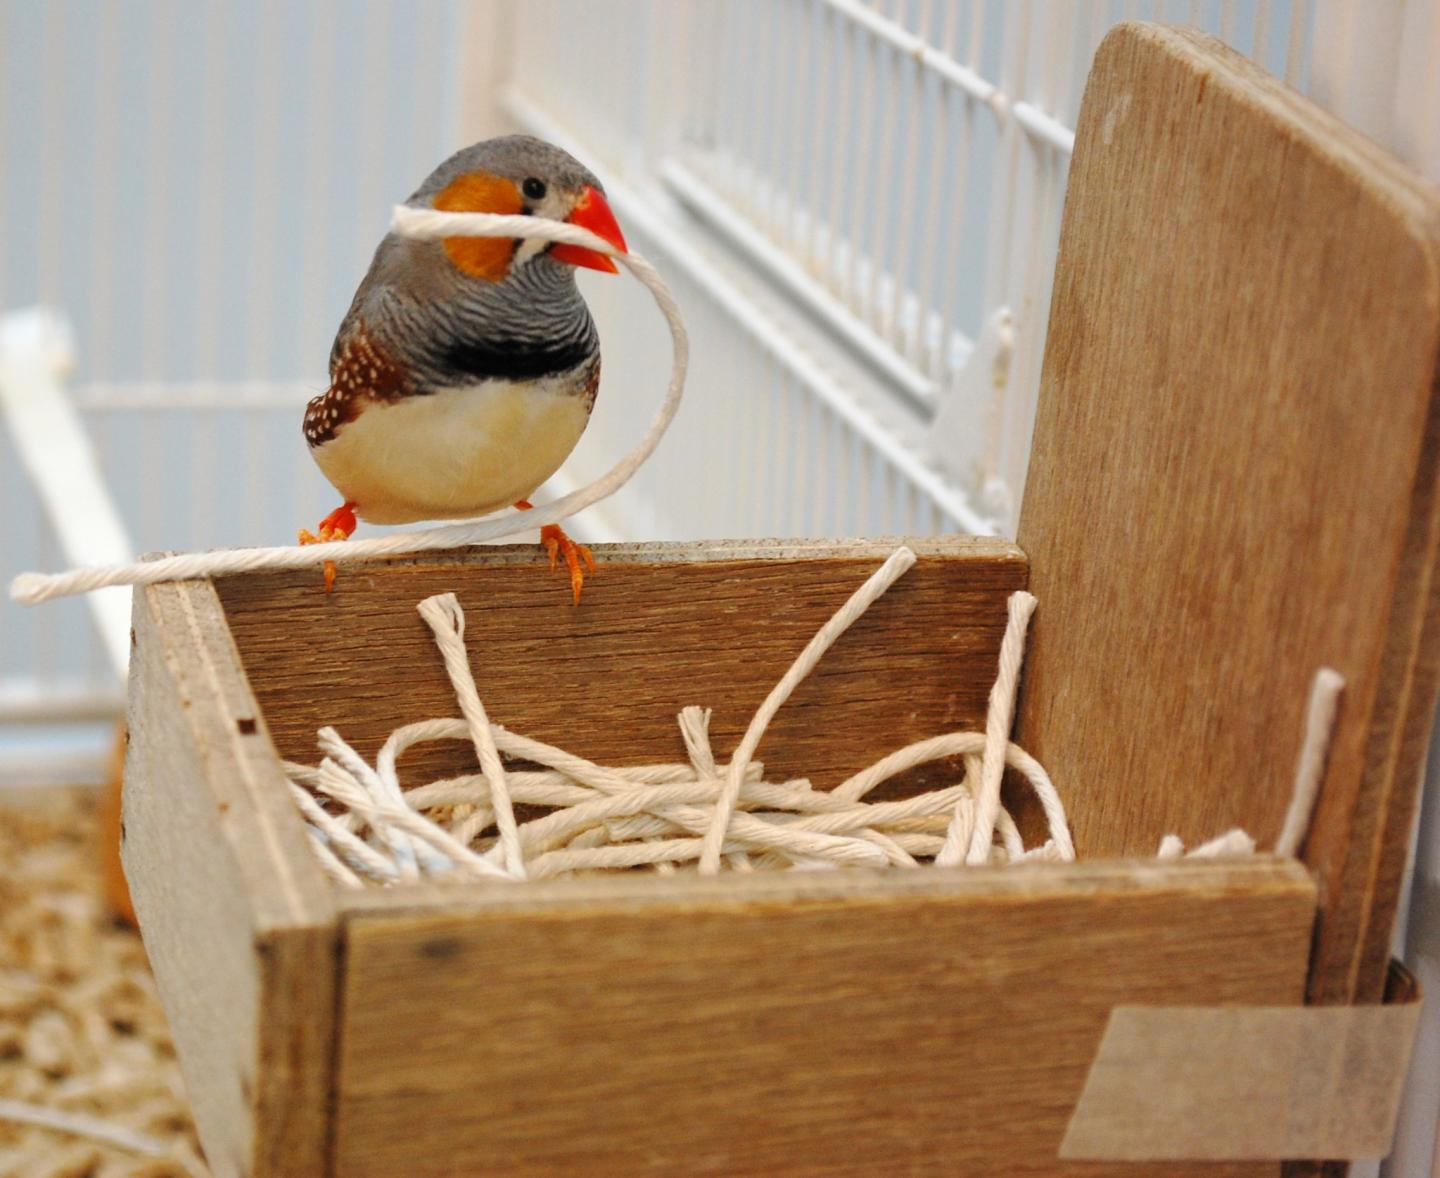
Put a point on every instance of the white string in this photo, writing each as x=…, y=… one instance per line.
x=333, y=781
x=442, y=613
x=792, y=834
x=900, y=562
x=428, y=225
x=21, y=1112
x=665, y=816
x=670, y=816
x=1232, y=842
x=1171, y=847
x=329, y=861
x=1325, y=692
x=343, y=757
x=998, y=721
x=332, y=832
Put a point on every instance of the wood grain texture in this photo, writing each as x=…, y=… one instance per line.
x=661, y=626
x=823, y=1023
x=1233, y=477
x=237, y=920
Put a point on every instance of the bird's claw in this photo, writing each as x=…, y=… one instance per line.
x=336, y=526
x=326, y=535
x=558, y=544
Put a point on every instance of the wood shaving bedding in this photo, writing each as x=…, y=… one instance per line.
x=82, y=1033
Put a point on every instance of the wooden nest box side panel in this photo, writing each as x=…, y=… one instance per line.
x=238, y=921
x=1233, y=478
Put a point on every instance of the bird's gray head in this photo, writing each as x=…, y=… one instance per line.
x=518, y=174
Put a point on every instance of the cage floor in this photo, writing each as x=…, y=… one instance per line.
x=81, y=1028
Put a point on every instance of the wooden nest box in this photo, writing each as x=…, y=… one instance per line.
x=1233, y=483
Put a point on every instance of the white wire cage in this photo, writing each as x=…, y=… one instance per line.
x=857, y=204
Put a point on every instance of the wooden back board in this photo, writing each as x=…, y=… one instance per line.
x=1232, y=482
x=663, y=626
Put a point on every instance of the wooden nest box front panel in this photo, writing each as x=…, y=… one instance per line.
x=1232, y=485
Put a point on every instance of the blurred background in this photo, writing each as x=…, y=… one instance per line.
x=857, y=203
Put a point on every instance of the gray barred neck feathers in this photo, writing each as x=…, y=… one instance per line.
x=533, y=324
x=416, y=331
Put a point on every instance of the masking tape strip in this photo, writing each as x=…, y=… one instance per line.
x=1244, y=1084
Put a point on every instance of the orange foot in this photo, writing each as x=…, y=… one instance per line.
x=558, y=544
x=336, y=526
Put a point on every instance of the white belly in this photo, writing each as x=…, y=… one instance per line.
x=453, y=454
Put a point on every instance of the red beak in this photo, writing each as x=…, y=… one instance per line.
x=592, y=212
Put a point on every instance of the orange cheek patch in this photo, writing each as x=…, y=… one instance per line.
x=480, y=192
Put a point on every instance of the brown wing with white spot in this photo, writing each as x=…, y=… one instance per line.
x=591, y=388
x=361, y=372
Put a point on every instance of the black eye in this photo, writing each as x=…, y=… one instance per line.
x=533, y=188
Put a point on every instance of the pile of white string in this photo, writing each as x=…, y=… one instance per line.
x=429, y=225
x=694, y=815
x=698, y=813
